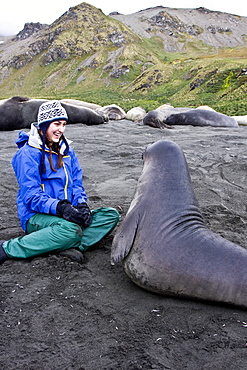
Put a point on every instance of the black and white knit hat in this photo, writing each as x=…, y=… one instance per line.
x=50, y=111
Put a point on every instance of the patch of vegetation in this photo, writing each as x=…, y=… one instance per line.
x=192, y=77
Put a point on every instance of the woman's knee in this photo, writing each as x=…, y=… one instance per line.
x=68, y=231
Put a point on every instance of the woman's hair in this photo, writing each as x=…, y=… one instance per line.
x=55, y=147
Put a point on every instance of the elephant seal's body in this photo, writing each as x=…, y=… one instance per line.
x=201, y=117
x=164, y=243
x=135, y=114
x=113, y=112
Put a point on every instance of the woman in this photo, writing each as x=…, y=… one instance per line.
x=51, y=201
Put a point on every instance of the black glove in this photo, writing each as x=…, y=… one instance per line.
x=69, y=212
x=86, y=214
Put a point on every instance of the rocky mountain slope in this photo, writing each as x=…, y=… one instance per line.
x=177, y=27
x=158, y=54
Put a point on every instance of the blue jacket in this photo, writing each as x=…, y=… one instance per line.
x=40, y=193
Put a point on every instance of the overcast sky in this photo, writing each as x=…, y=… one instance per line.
x=15, y=13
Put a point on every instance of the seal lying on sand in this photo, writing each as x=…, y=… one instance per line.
x=19, y=112
x=136, y=114
x=113, y=112
x=201, y=117
x=163, y=242
x=157, y=117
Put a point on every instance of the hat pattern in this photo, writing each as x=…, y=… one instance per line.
x=51, y=111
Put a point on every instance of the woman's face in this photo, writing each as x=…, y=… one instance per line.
x=55, y=131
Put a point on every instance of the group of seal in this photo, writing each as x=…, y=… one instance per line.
x=169, y=117
x=163, y=243
x=19, y=112
x=157, y=117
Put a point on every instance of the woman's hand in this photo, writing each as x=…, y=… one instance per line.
x=80, y=214
x=86, y=214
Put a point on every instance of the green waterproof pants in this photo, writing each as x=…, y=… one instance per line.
x=46, y=233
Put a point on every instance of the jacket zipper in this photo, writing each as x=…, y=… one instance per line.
x=66, y=183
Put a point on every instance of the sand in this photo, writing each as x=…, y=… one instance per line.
x=58, y=314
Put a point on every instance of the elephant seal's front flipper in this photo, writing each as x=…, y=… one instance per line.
x=123, y=242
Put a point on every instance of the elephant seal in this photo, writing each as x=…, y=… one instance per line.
x=13, y=116
x=163, y=243
x=19, y=112
x=201, y=117
x=113, y=112
x=136, y=114
x=157, y=117
x=79, y=114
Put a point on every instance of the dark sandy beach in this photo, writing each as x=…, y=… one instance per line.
x=57, y=314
